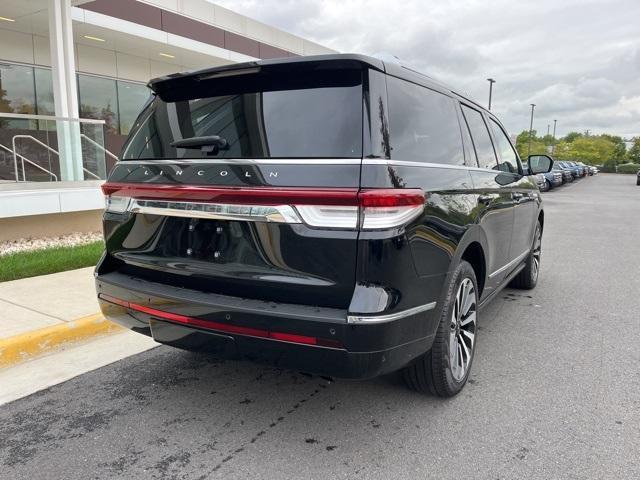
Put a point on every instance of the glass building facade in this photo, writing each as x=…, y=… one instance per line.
x=27, y=89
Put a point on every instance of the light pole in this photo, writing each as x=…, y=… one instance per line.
x=533, y=105
x=553, y=145
x=491, y=82
x=548, y=127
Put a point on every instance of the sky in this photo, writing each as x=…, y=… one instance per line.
x=578, y=61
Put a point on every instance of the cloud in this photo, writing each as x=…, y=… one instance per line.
x=577, y=60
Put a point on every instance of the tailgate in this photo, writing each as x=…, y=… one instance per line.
x=243, y=186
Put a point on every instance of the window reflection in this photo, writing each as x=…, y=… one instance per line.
x=17, y=93
x=131, y=99
x=98, y=99
x=424, y=124
x=508, y=157
x=481, y=139
x=304, y=123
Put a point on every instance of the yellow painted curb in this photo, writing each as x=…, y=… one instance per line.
x=31, y=344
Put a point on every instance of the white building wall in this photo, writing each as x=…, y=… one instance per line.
x=226, y=19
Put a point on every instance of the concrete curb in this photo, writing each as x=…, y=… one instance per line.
x=28, y=345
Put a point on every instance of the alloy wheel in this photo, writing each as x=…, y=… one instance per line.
x=537, y=252
x=463, y=329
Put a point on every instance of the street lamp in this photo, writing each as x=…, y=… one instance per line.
x=491, y=82
x=533, y=105
x=553, y=145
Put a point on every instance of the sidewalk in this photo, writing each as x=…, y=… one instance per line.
x=44, y=314
x=32, y=303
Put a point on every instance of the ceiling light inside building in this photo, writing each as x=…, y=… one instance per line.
x=7, y=19
x=97, y=39
x=168, y=55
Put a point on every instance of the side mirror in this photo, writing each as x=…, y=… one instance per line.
x=540, y=164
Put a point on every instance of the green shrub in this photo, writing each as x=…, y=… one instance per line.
x=629, y=168
x=609, y=166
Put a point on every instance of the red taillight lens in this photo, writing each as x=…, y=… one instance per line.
x=235, y=195
x=389, y=208
x=344, y=208
x=393, y=197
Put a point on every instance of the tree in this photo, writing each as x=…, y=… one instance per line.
x=634, y=151
x=592, y=149
x=571, y=136
x=620, y=148
x=538, y=146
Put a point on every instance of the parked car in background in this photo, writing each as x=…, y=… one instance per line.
x=587, y=168
x=638, y=178
x=553, y=179
x=576, y=172
x=594, y=170
x=567, y=175
x=581, y=170
x=583, y=167
x=258, y=211
x=542, y=183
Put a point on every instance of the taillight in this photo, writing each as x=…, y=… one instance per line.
x=337, y=208
x=390, y=208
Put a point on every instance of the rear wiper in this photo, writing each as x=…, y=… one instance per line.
x=210, y=145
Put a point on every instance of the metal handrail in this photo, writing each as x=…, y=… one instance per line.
x=28, y=116
x=90, y=140
x=25, y=159
x=13, y=141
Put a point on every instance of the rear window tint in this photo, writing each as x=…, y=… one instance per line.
x=317, y=118
x=423, y=124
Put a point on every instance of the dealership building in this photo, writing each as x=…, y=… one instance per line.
x=72, y=81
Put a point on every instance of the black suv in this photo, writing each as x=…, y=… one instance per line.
x=337, y=215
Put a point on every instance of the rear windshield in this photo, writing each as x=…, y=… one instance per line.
x=309, y=116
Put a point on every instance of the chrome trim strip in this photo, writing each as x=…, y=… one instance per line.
x=251, y=213
x=302, y=161
x=390, y=316
x=511, y=263
x=409, y=163
x=246, y=161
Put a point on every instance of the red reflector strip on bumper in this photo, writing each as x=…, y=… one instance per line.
x=223, y=327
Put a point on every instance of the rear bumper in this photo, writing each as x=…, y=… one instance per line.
x=265, y=332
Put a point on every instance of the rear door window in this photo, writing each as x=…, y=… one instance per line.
x=508, y=157
x=423, y=124
x=315, y=116
x=481, y=138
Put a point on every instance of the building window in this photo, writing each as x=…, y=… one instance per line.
x=16, y=94
x=99, y=99
x=131, y=99
x=44, y=92
x=16, y=89
x=29, y=90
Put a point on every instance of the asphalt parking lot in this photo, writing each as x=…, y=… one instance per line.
x=554, y=393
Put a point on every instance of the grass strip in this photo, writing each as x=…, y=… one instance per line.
x=49, y=260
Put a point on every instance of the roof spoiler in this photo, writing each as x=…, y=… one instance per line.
x=166, y=83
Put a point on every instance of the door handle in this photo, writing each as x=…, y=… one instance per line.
x=517, y=196
x=485, y=199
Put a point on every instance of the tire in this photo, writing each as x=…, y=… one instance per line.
x=528, y=276
x=548, y=185
x=439, y=371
